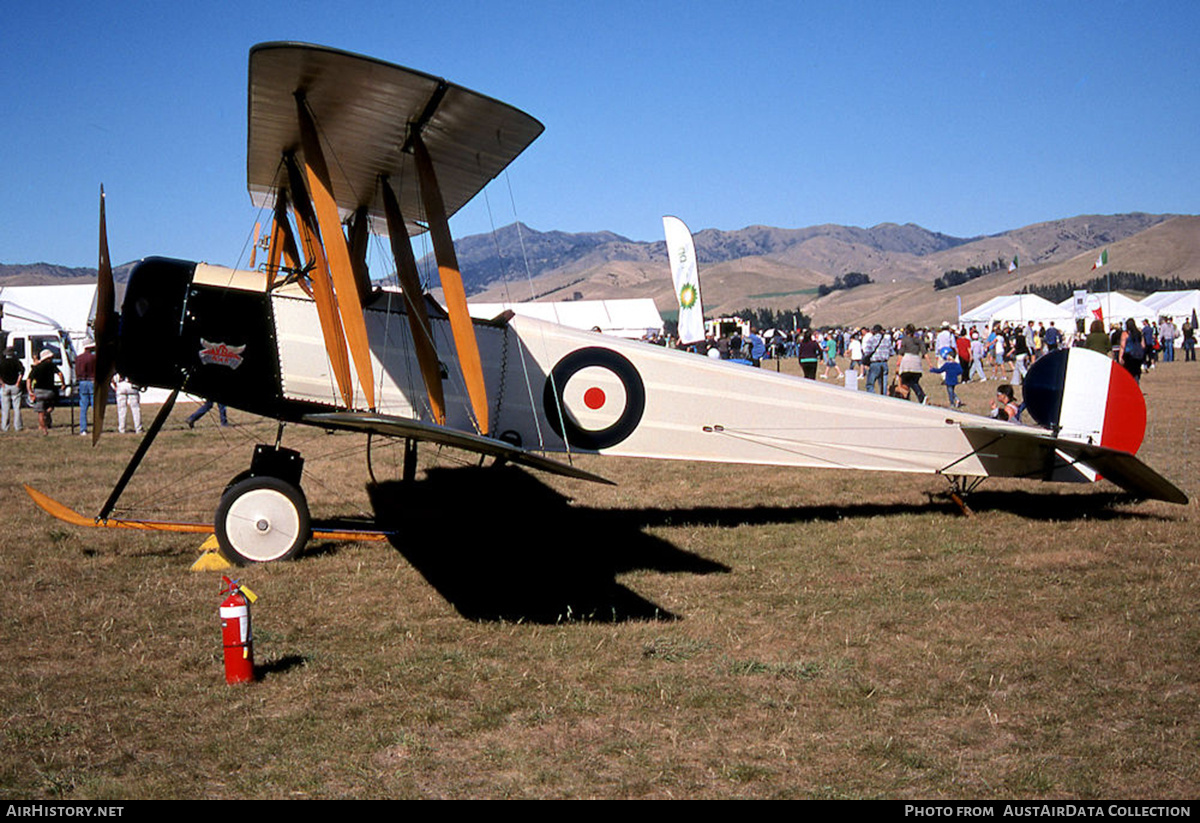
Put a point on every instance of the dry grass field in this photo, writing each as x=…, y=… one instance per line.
x=696, y=631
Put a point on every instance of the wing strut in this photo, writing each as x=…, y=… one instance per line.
x=283, y=243
x=331, y=326
x=349, y=304
x=358, y=240
x=452, y=285
x=414, y=301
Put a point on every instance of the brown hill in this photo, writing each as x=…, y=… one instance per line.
x=727, y=286
x=902, y=260
x=48, y=274
x=1166, y=249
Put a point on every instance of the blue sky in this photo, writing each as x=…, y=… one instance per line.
x=966, y=118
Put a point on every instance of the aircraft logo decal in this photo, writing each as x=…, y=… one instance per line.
x=220, y=354
x=601, y=397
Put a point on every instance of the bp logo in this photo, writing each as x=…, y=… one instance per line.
x=594, y=398
x=688, y=296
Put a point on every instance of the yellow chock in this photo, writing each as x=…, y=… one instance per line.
x=211, y=559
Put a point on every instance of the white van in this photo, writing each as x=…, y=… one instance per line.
x=27, y=345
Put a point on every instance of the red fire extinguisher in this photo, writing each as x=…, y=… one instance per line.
x=235, y=632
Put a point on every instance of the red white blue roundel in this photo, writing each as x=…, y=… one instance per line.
x=594, y=398
x=1087, y=396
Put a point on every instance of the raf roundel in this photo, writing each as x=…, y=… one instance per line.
x=594, y=398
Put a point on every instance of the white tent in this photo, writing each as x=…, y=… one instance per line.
x=1176, y=304
x=1115, y=308
x=622, y=318
x=1019, y=309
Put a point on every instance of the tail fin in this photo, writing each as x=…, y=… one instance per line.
x=1086, y=396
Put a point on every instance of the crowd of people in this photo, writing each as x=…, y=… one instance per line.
x=893, y=361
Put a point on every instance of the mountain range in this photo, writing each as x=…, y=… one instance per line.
x=783, y=268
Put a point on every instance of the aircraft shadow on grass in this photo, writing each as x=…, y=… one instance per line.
x=499, y=544
x=1040, y=506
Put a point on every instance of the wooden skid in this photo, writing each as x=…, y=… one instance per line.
x=68, y=515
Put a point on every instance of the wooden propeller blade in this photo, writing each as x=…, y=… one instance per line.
x=452, y=286
x=414, y=300
x=345, y=286
x=322, y=287
x=104, y=329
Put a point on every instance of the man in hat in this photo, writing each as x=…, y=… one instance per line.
x=43, y=381
x=11, y=372
x=85, y=374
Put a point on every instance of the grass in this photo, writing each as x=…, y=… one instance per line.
x=697, y=631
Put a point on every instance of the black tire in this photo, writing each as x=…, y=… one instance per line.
x=261, y=520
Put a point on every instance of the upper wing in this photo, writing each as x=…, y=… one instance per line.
x=366, y=111
x=405, y=427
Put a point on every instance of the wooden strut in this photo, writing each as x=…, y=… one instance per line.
x=322, y=286
x=345, y=286
x=357, y=240
x=283, y=243
x=414, y=301
x=455, y=296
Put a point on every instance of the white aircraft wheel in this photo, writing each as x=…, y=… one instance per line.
x=261, y=519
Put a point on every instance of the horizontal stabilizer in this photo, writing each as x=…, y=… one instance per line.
x=404, y=427
x=1125, y=470
x=1012, y=451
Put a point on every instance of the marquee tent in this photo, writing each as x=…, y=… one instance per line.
x=1176, y=304
x=1018, y=308
x=1116, y=308
x=622, y=318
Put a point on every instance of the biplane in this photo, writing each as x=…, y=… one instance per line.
x=341, y=146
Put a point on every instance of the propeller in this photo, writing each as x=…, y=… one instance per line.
x=104, y=329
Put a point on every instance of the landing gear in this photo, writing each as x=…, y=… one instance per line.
x=263, y=514
x=381, y=455
x=261, y=519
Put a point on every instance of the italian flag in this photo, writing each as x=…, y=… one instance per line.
x=1102, y=260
